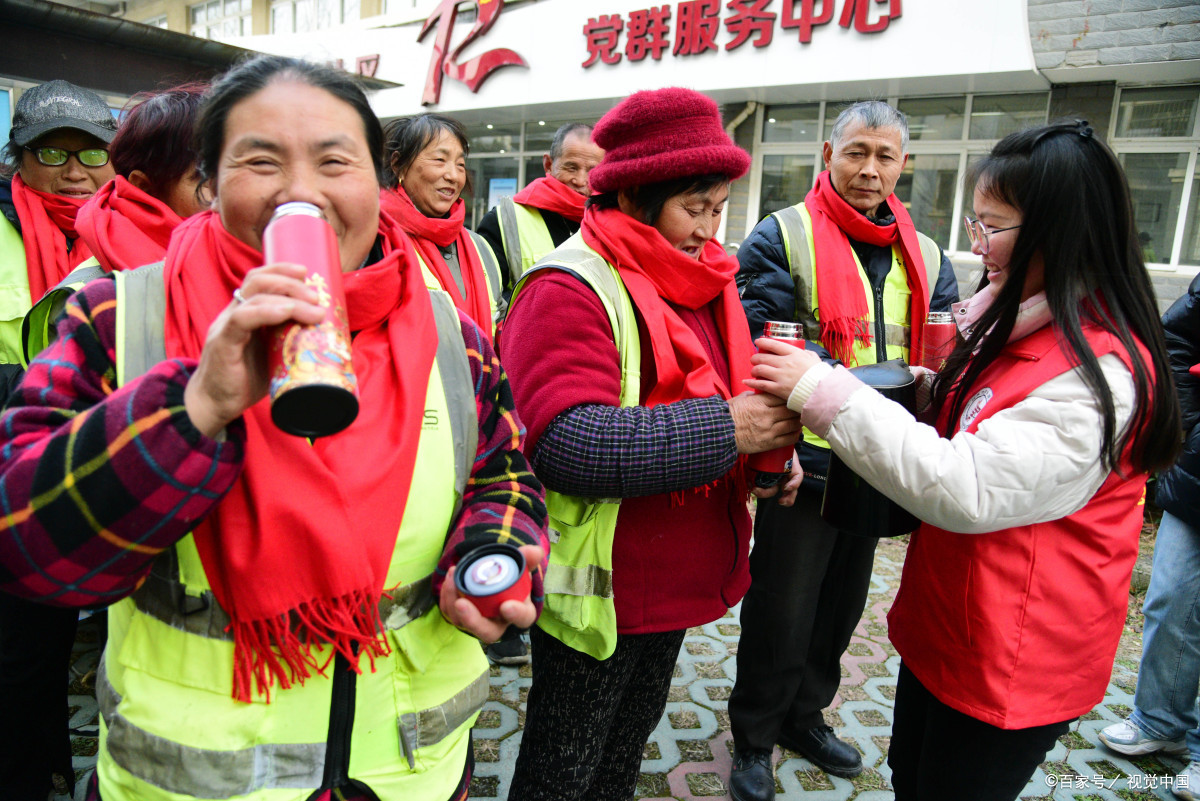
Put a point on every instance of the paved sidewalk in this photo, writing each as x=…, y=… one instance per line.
x=688, y=756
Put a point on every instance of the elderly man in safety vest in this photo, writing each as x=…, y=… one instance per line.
x=540, y=217
x=852, y=245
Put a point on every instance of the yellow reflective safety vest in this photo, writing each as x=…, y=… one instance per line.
x=37, y=329
x=524, y=235
x=491, y=270
x=579, y=610
x=14, y=292
x=795, y=224
x=169, y=727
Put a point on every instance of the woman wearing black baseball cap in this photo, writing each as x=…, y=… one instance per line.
x=57, y=157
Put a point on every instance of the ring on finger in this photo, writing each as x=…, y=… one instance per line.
x=238, y=296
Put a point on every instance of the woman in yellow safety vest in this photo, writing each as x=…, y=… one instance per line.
x=286, y=625
x=427, y=173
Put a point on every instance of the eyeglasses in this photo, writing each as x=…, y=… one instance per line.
x=57, y=156
x=978, y=233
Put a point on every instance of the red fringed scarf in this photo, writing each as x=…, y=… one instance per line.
x=430, y=233
x=47, y=222
x=654, y=273
x=553, y=195
x=298, y=552
x=125, y=227
x=843, y=304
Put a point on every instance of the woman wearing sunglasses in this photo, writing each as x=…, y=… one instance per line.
x=57, y=157
x=1030, y=476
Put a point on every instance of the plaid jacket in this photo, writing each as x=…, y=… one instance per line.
x=95, y=481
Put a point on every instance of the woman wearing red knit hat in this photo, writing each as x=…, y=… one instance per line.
x=627, y=349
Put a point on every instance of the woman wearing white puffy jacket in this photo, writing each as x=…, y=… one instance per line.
x=1029, y=476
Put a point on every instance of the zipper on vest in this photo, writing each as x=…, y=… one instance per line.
x=341, y=725
x=880, y=326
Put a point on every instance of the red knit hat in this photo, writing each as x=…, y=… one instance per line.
x=660, y=135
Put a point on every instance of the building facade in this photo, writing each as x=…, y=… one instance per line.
x=966, y=73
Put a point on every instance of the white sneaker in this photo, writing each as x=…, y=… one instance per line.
x=1126, y=738
x=1187, y=784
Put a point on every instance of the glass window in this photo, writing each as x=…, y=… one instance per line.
x=496, y=138
x=492, y=179
x=1190, y=255
x=539, y=134
x=281, y=18
x=934, y=117
x=927, y=187
x=351, y=10
x=785, y=182
x=1157, y=112
x=996, y=116
x=304, y=16
x=5, y=114
x=1156, y=184
x=534, y=168
x=792, y=123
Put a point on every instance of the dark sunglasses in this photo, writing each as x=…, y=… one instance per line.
x=57, y=156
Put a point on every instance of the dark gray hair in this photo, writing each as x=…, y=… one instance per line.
x=870, y=114
x=560, y=137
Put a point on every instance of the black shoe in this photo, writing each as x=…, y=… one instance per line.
x=508, y=651
x=821, y=747
x=751, y=778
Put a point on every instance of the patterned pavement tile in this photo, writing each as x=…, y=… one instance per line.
x=689, y=754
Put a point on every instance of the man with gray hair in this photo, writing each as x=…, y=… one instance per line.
x=852, y=245
x=539, y=218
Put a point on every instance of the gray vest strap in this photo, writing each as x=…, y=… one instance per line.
x=145, y=302
x=492, y=269
x=801, y=268
x=506, y=213
x=459, y=388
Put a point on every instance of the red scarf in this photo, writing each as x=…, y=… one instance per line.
x=843, y=304
x=125, y=227
x=655, y=273
x=551, y=194
x=47, y=222
x=430, y=233
x=299, y=549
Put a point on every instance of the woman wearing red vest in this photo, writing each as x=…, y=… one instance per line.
x=1046, y=420
x=129, y=221
x=426, y=165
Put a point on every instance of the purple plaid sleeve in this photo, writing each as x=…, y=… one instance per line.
x=96, y=481
x=597, y=451
x=503, y=501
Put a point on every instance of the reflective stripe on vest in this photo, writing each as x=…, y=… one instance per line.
x=169, y=724
x=794, y=223
x=14, y=293
x=579, y=609
x=37, y=329
x=800, y=251
x=228, y=774
x=524, y=234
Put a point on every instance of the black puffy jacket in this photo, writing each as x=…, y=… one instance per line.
x=1179, y=487
x=768, y=293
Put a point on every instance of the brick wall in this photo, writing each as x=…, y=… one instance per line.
x=1086, y=33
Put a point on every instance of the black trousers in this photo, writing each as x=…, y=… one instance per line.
x=35, y=654
x=940, y=754
x=808, y=587
x=587, y=721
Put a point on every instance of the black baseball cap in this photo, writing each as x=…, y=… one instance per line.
x=58, y=104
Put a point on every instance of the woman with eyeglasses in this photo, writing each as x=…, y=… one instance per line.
x=56, y=158
x=129, y=221
x=1028, y=469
